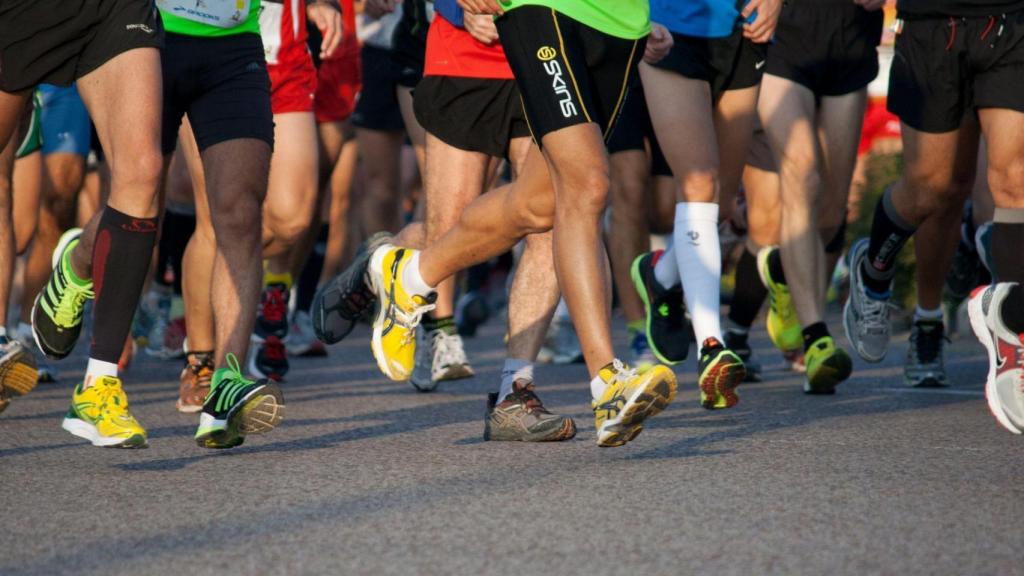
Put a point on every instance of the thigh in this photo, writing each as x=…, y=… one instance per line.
x=839, y=126
x=453, y=178
x=735, y=116
x=787, y=114
x=294, y=170
x=681, y=111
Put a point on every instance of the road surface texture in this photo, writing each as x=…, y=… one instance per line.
x=366, y=476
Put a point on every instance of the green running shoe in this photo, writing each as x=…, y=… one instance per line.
x=57, y=312
x=237, y=406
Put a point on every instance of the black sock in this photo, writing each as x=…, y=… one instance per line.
x=750, y=292
x=813, y=333
x=778, y=273
x=1012, y=311
x=176, y=231
x=120, y=262
x=305, y=288
x=1007, y=243
x=889, y=232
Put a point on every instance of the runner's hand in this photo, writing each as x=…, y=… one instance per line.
x=481, y=7
x=763, y=27
x=870, y=5
x=481, y=27
x=327, y=19
x=658, y=43
x=379, y=8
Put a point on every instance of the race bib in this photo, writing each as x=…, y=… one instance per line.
x=219, y=13
x=270, y=29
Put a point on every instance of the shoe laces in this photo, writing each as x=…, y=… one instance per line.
x=875, y=314
x=274, y=308
x=926, y=344
x=448, y=348
x=72, y=299
x=622, y=374
x=410, y=319
x=528, y=398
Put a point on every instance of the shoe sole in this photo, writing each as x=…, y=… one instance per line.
x=567, y=431
x=260, y=411
x=981, y=331
x=641, y=289
x=18, y=374
x=187, y=408
x=87, y=431
x=646, y=402
x=833, y=371
x=721, y=381
x=457, y=372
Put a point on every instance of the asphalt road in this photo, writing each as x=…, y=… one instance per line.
x=367, y=476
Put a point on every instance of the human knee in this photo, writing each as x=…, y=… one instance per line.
x=583, y=191
x=287, y=228
x=700, y=185
x=141, y=172
x=1007, y=183
x=928, y=191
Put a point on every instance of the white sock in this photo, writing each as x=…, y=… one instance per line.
x=597, y=387
x=699, y=253
x=922, y=314
x=97, y=368
x=412, y=281
x=513, y=370
x=666, y=269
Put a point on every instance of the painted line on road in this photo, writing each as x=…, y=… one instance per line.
x=976, y=393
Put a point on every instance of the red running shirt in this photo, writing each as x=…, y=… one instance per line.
x=451, y=51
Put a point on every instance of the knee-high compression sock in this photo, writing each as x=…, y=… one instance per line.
x=889, y=232
x=177, y=230
x=120, y=261
x=306, y=287
x=1007, y=243
x=750, y=293
x=699, y=253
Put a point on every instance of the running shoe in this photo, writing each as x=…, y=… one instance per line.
x=782, y=322
x=983, y=243
x=924, y=367
x=440, y=357
x=795, y=360
x=1004, y=386
x=347, y=297
x=100, y=414
x=640, y=351
x=45, y=371
x=865, y=316
x=827, y=366
x=561, y=346
x=521, y=417
x=301, y=340
x=628, y=400
x=399, y=312
x=18, y=374
x=57, y=311
x=268, y=358
x=738, y=342
x=236, y=407
x=272, y=315
x=471, y=312
x=720, y=371
x=195, y=381
x=666, y=312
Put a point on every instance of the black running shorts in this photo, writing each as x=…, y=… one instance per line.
x=634, y=131
x=568, y=73
x=223, y=86
x=945, y=67
x=729, y=63
x=59, y=41
x=473, y=114
x=828, y=46
x=377, y=105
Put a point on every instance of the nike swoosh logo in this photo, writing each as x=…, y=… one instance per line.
x=759, y=65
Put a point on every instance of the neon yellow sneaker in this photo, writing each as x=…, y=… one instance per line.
x=827, y=366
x=100, y=414
x=783, y=324
x=399, y=313
x=719, y=372
x=629, y=399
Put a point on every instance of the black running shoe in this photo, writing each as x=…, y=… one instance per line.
x=521, y=417
x=268, y=358
x=348, y=297
x=237, y=406
x=272, y=316
x=57, y=311
x=667, y=326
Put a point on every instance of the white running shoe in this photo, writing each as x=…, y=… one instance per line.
x=1004, y=388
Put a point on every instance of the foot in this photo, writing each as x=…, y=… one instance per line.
x=827, y=366
x=924, y=367
x=46, y=372
x=521, y=417
x=866, y=315
x=348, y=297
x=272, y=315
x=1004, y=386
x=440, y=357
x=720, y=371
x=666, y=311
x=268, y=358
x=301, y=340
x=782, y=322
x=195, y=381
x=100, y=414
x=57, y=311
x=18, y=375
x=629, y=400
x=399, y=312
x=236, y=407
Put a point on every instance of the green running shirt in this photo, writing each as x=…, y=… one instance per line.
x=210, y=18
x=629, y=19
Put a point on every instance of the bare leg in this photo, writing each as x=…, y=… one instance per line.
x=340, y=183
x=629, y=235
x=7, y=241
x=197, y=263
x=28, y=183
x=735, y=115
x=417, y=135
x=292, y=191
x=11, y=108
x=381, y=198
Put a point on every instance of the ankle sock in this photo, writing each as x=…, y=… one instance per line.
x=929, y=315
x=98, y=368
x=889, y=232
x=697, y=250
x=813, y=333
x=445, y=323
x=1012, y=310
x=412, y=281
x=514, y=369
x=750, y=292
x=1007, y=242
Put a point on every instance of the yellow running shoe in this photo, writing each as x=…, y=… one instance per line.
x=100, y=414
x=719, y=372
x=783, y=324
x=827, y=366
x=399, y=312
x=629, y=399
